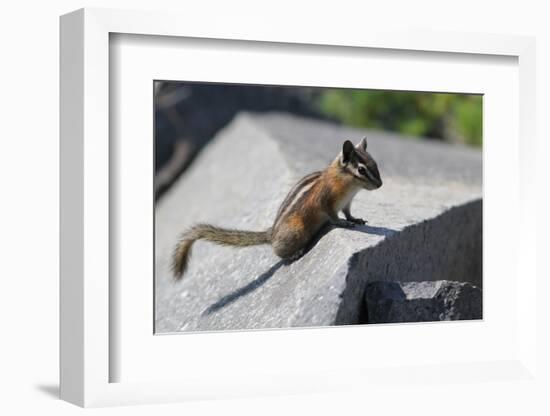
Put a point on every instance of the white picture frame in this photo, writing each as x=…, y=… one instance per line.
x=86, y=302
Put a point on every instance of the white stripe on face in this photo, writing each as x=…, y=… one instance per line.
x=368, y=174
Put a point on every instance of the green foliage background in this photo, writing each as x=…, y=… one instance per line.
x=450, y=117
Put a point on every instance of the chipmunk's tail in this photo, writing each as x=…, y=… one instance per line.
x=226, y=237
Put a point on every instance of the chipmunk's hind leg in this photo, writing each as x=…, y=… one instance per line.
x=289, y=245
x=296, y=256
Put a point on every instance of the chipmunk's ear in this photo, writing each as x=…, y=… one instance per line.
x=362, y=144
x=347, y=151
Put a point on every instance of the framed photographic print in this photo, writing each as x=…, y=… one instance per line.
x=342, y=198
x=282, y=151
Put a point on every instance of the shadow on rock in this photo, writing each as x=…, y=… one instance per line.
x=264, y=277
x=250, y=287
x=364, y=228
x=369, y=229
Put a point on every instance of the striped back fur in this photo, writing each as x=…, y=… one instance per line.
x=295, y=194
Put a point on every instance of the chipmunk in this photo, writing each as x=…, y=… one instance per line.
x=315, y=200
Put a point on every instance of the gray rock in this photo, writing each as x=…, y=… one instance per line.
x=424, y=224
x=442, y=300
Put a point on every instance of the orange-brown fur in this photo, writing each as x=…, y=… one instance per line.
x=339, y=185
x=317, y=207
x=315, y=200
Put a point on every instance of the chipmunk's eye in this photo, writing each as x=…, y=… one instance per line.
x=362, y=171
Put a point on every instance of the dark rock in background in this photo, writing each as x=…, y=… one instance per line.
x=441, y=300
x=188, y=115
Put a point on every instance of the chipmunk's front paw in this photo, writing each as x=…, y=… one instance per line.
x=359, y=221
x=344, y=223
